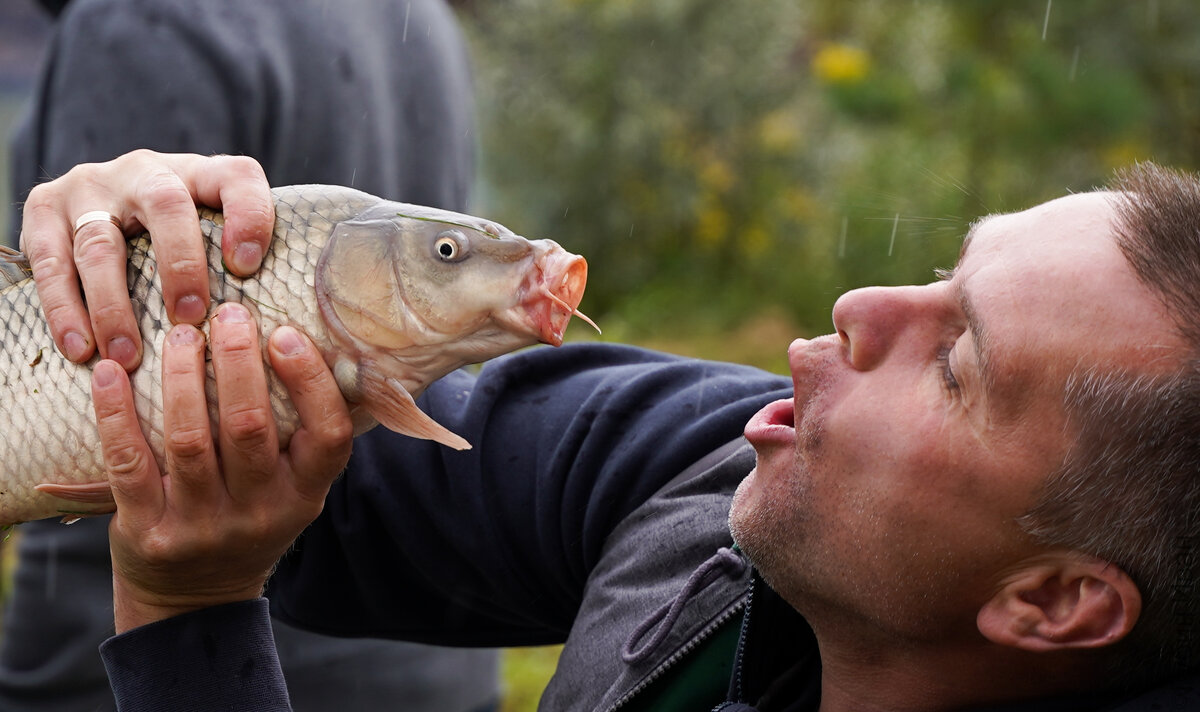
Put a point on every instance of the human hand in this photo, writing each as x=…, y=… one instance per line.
x=209, y=529
x=142, y=190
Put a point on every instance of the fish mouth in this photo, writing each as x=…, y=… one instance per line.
x=553, y=293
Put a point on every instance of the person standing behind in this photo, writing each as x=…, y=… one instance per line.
x=366, y=93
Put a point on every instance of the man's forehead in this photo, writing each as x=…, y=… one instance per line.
x=1086, y=215
x=1050, y=291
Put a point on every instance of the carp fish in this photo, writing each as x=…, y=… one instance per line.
x=394, y=296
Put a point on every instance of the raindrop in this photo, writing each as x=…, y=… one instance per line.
x=1046, y=22
x=842, y=239
x=895, y=224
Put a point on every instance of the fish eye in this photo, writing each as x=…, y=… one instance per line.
x=450, y=246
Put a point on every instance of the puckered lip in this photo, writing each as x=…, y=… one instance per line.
x=775, y=423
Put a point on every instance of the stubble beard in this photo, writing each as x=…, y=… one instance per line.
x=773, y=525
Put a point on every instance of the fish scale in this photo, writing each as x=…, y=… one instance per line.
x=393, y=295
x=281, y=293
x=46, y=415
x=45, y=418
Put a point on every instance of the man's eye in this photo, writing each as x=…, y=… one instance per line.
x=943, y=359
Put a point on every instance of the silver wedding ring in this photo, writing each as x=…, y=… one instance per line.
x=97, y=216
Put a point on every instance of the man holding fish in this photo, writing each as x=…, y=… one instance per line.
x=978, y=493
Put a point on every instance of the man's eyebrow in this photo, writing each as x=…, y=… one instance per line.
x=979, y=338
x=971, y=232
x=947, y=274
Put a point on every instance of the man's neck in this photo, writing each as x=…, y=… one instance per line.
x=865, y=672
x=885, y=688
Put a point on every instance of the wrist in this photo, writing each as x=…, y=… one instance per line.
x=133, y=608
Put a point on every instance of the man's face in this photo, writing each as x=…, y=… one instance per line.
x=887, y=491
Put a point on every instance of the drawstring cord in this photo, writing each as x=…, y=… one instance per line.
x=725, y=561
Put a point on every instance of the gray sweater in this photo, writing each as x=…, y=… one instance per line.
x=374, y=94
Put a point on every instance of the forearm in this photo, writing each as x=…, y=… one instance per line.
x=494, y=546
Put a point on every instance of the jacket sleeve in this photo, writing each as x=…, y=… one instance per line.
x=223, y=657
x=493, y=545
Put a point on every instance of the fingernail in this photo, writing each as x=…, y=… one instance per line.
x=233, y=313
x=190, y=309
x=104, y=375
x=288, y=341
x=122, y=350
x=247, y=257
x=181, y=335
x=75, y=345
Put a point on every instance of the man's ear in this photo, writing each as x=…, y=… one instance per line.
x=1060, y=601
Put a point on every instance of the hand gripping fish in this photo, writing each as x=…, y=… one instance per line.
x=394, y=295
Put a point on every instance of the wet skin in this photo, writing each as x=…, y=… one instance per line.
x=885, y=495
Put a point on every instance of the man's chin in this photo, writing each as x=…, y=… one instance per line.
x=769, y=515
x=771, y=471
x=741, y=512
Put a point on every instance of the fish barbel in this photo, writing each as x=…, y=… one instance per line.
x=394, y=296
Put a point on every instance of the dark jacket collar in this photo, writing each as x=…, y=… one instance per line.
x=778, y=667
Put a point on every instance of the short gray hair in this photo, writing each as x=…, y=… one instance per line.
x=1128, y=491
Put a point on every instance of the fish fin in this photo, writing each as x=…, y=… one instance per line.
x=76, y=516
x=14, y=266
x=90, y=493
x=393, y=406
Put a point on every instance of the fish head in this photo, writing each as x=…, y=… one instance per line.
x=412, y=280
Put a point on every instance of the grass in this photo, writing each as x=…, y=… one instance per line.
x=524, y=673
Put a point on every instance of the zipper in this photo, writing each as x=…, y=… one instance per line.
x=683, y=652
x=738, y=659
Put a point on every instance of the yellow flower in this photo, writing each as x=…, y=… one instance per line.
x=716, y=175
x=755, y=240
x=840, y=64
x=777, y=131
x=795, y=203
x=712, y=223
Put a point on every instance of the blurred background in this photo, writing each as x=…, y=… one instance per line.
x=729, y=169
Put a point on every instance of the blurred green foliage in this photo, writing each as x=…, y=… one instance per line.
x=730, y=168
x=722, y=162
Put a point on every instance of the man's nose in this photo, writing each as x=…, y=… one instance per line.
x=871, y=320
